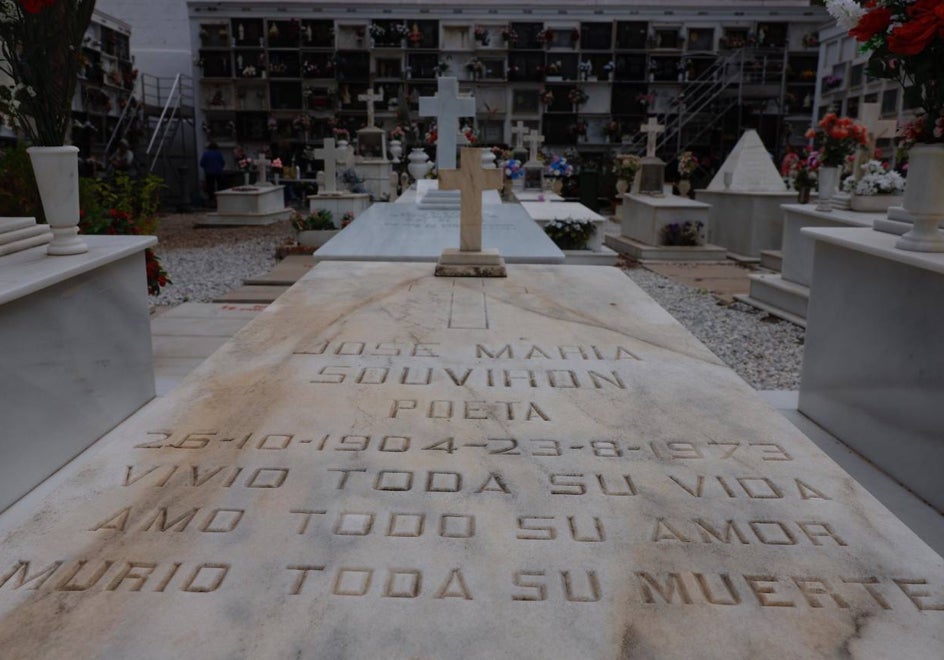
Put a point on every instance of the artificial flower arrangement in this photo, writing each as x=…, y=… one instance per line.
x=469, y=134
x=481, y=35
x=341, y=134
x=559, y=167
x=906, y=41
x=877, y=179
x=432, y=135
x=570, y=233
x=612, y=129
x=509, y=36
x=475, y=66
x=319, y=220
x=397, y=132
x=645, y=100
x=625, y=167
x=546, y=36
x=687, y=164
x=547, y=97
x=347, y=219
x=579, y=127
x=799, y=172
x=553, y=68
x=513, y=169
x=585, y=68
x=577, y=96
x=836, y=139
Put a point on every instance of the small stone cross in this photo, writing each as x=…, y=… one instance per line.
x=653, y=128
x=471, y=180
x=447, y=107
x=534, y=140
x=869, y=114
x=518, y=131
x=261, y=164
x=330, y=155
x=370, y=97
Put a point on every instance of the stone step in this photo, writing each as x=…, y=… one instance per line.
x=253, y=294
x=644, y=252
x=286, y=272
x=777, y=296
x=771, y=260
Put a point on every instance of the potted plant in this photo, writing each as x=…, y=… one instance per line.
x=877, y=188
x=39, y=40
x=314, y=229
x=687, y=164
x=570, y=233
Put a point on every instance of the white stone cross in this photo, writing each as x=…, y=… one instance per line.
x=330, y=155
x=261, y=164
x=471, y=180
x=370, y=97
x=518, y=131
x=653, y=128
x=534, y=140
x=447, y=106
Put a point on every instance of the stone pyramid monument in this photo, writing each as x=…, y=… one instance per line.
x=751, y=167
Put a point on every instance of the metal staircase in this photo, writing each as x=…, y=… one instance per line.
x=171, y=146
x=744, y=73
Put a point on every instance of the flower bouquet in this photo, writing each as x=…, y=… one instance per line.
x=687, y=164
x=547, y=97
x=559, y=167
x=577, y=96
x=513, y=169
x=836, y=139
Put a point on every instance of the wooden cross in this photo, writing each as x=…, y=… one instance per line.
x=518, y=131
x=370, y=97
x=471, y=180
x=653, y=128
x=447, y=107
x=330, y=155
x=534, y=140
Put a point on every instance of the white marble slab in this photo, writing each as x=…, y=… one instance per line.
x=537, y=196
x=873, y=368
x=746, y=223
x=75, y=354
x=598, y=486
x=402, y=232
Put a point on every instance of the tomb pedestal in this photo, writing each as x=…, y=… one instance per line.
x=339, y=203
x=376, y=177
x=75, y=350
x=745, y=223
x=787, y=294
x=249, y=205
x=873, y=369
x=642, y=218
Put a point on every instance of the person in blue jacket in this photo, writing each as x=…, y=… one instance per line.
x=213, y=164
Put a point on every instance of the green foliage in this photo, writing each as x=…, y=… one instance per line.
x=136, y=198
x=18, y=193
x=570, y=234
x=319, y=220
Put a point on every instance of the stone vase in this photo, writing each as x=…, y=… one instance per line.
x=828, y=180
x=395, y=147
x=316, y=237
x=873, y=203
x=803, y=195
x=246, y=178
x=419, y=165
x=685, y=187
x=57, y=177
x=924, y=199
x=622, y=186
x=557, y=185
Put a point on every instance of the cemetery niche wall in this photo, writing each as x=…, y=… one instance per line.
x=390, y=464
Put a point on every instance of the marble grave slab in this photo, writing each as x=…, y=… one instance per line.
x=385, y=464
x=403, y=232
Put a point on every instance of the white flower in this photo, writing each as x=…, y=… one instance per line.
x=846, y=12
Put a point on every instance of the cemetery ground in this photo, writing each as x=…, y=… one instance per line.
x=206, y=263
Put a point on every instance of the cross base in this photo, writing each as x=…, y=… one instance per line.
x=484, y=263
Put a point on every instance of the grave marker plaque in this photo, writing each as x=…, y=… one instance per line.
x=391, y=465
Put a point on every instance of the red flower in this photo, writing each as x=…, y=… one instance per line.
x=33, y=6
x=874, y=22
x=927, y=20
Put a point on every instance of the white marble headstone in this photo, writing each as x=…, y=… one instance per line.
x=750, y=166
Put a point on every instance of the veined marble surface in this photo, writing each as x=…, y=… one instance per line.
x=384, y=464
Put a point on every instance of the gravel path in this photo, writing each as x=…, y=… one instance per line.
x=205, y=263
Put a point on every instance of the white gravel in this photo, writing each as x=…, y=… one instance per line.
x=765, y=351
